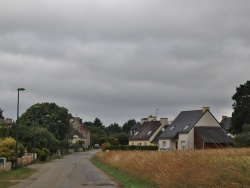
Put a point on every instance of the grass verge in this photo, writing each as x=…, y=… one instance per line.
x=123, y=179
x=11, y=177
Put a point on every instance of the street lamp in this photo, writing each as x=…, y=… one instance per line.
x=34, y=126
x=19, y=89
x=47, y=127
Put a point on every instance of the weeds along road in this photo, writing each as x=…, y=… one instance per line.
x=72, y=171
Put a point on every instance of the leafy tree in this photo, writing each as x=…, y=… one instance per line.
x=113, y=128
x=50, y=116
x=113, y=141
x=97, y=122
x=122, y=137
x=241, y=106
x=1, y=113
x=242, y=140
x=246, y=128
x=128, y=125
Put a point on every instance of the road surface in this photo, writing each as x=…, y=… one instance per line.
x=73, y=171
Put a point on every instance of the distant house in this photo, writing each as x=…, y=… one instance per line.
x=148, y=131
x=81, y=132
x=196, y=129
x=226, y=123
x=6, y=122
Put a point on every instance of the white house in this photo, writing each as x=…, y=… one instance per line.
x=196, y=129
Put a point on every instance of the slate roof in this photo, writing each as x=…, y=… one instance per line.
x=226, y=123
x=212, y=135
x=142, y=131
x=76, y=132
x=183, y=123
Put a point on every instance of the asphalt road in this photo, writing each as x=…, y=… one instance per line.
x=73, y=171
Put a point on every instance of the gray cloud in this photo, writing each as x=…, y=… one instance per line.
x=118, y=60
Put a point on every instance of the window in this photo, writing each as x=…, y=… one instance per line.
x=183, y=145
x=164, y=144
x=149, y=132
x=186, y=127
x=171, y=128
x=136, y=133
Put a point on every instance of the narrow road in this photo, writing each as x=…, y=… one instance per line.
x=73, y=171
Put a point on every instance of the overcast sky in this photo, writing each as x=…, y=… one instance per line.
x=122, y=59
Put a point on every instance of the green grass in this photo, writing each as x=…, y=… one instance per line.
x=123, y=179
x=11, y=177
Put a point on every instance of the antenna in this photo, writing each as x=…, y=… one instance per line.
x=157, y=109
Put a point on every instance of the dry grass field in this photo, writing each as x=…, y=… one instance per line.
x=190, y=168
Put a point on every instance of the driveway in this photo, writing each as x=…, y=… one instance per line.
x=73, y=171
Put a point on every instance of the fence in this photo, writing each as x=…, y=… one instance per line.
x=25, y=160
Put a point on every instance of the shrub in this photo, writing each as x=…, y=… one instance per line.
x=104, y=146
x=8, y=149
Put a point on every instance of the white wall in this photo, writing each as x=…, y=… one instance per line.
x=207, y=120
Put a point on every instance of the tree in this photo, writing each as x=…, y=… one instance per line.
x=242, y=140
x=128, y=125
x=241, y=106
x=122, y=138
x=49, y=116
x=113, y=128
x=1, y=113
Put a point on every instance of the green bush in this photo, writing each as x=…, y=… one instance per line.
x=242, y=140
x=8, y=149
x=42, y=154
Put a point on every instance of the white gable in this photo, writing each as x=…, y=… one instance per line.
x=207, y=120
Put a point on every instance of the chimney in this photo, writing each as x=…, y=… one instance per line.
x=151, y=118
x=223, y=117
x=164, y=121
x=143, y=120
x=205, y=108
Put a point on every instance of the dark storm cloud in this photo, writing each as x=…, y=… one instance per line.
x=118, y=60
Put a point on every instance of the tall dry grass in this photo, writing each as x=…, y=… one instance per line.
x=190, y=168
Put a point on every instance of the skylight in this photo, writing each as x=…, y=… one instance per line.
x=171, y=128
x=149, y=132
x=136, y=133
x=186, y=127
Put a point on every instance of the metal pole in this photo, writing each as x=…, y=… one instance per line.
x=17, y=126
x=19, y=89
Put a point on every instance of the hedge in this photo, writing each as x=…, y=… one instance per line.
x=132, y=147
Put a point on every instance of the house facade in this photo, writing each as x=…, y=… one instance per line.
x=81, y=132
x=195, y=129
x=148, y=131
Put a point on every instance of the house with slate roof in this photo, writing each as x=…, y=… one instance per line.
x=196, y=129
x=81, y=132
x=226, y=123
x=148, y=131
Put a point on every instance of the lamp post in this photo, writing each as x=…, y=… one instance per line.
x=34, y=131
x=19, y=89
x=46, y=126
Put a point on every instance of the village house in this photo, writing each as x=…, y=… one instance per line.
x=148, y=131
x=196, y=129
x=81, y=132
x=226, y=123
